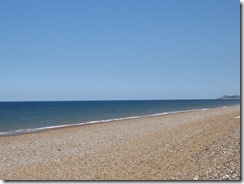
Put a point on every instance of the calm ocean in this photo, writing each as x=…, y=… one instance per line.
x=17, y=117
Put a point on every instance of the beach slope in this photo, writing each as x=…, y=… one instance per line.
x=200, y=145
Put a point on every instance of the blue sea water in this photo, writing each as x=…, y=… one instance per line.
x=18, y=117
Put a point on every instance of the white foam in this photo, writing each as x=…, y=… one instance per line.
x=13, y=132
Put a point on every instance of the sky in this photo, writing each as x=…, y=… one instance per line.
x=119, y=49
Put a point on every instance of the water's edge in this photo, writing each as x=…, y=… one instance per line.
x=31, y=130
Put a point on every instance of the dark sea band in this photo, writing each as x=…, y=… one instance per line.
x=20, y=117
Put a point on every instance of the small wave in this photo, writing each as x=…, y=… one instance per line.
x=28, y=130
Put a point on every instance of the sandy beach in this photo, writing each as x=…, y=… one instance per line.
x=200, y=145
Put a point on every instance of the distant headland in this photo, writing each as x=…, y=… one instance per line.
x=230, y=97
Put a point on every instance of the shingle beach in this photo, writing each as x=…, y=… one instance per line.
x=199, y=145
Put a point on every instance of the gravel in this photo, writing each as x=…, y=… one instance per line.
x=201, y=145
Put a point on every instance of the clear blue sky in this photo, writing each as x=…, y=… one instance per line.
x=119, y=49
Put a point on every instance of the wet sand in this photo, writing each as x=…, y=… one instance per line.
x=200, y=145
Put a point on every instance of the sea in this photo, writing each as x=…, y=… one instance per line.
x=22, y=117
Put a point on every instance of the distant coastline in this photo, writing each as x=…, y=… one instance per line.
x=230, y=97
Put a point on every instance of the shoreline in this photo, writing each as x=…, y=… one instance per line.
x=200, y=145
x=42, y=129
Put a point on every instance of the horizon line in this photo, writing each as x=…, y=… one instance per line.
x=119, y=100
